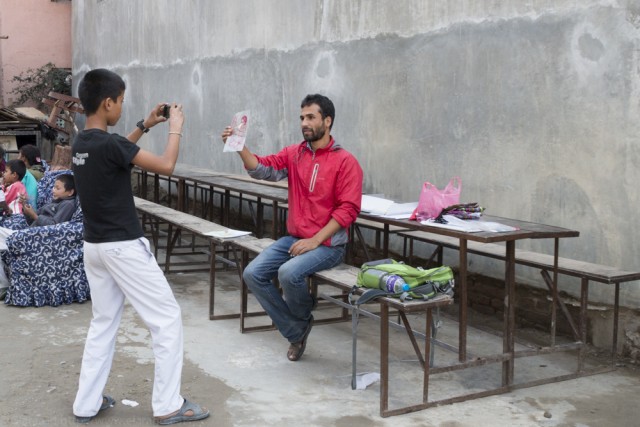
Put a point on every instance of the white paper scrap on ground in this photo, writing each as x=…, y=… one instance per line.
x=131, y=403
x=227, y=234
x=366, y=379
x=239, y=126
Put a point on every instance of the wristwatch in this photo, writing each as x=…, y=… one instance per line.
x=140, y=125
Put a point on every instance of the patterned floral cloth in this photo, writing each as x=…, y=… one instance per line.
x=14, y=222
x=45, y=264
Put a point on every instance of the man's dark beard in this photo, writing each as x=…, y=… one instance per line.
x=314, y=136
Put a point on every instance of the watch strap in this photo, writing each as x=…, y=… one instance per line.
x=140, y=126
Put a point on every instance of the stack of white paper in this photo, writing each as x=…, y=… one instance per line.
x=375, y=205
x=469, y=225
x=387, y=208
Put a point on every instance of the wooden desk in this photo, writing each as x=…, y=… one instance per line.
x=526, y=230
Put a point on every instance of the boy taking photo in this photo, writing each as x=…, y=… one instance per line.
x=117, y=258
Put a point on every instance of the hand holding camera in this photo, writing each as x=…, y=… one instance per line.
x=166, y=111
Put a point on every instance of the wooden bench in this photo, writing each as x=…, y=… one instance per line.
x=205, y=185
x=154, y=214
x=343, y=278
x=253, y=247
x=584, y=270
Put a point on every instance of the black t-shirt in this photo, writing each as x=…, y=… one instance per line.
x=102, y=168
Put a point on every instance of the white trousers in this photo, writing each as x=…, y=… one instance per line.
x=4, y=233
x=128, y=269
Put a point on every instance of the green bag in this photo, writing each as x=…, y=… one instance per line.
x=423, y=284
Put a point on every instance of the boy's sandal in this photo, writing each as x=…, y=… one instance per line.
x=296, y=349
x=107, y=402
x=197, y=413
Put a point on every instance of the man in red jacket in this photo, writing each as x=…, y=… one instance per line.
x=325, y=189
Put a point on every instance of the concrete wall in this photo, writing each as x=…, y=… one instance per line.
x=39, y=32
x=534, y=104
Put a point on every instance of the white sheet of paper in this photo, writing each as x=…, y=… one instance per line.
x=239, y=127
x=495, y=227
x=398, y=210
x=469, y=225
x=375, y=205
x=227, y=234
x=453, y=225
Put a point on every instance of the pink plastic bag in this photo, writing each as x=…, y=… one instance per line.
x=432, y=200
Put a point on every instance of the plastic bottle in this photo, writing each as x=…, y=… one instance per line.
x=396, y=284
x=389, y=282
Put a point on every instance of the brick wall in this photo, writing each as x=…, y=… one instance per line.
x=533, y=309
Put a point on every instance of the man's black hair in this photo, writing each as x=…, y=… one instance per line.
x=326, y=106
x=68, y=182
x=31, y=153
x=98, y=85
x=17, y=166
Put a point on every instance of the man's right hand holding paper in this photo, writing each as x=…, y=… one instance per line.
x=250, y=161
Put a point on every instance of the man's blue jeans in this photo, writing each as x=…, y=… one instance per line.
x=290, y=314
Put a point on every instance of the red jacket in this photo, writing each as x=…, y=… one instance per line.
x=322, y=185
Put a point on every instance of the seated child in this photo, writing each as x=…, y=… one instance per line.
x=61, y=209
x=13, y=187
x=30, y=155
x=31, y=186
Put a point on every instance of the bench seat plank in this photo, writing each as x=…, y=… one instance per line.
x=253, y=245
x=570, y=267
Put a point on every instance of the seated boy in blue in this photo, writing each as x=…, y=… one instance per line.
x=60, y=209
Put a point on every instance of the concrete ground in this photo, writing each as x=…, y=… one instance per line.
x=246, y=380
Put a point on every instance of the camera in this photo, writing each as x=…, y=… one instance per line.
x=166, y=109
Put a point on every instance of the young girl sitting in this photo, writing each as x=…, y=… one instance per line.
x=13, y=187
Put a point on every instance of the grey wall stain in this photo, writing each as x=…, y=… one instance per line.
x=590, y=47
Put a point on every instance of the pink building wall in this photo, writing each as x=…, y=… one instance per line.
x=39, y=32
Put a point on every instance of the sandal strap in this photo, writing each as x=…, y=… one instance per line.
x=192, y=406
x=180, y=416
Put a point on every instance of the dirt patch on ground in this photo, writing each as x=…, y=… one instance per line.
x=41, y=353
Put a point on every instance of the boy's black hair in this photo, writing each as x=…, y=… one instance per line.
x=98, y=85
x=31, y=153
x=326, y=106
x=17, y=166
x=68, y=182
